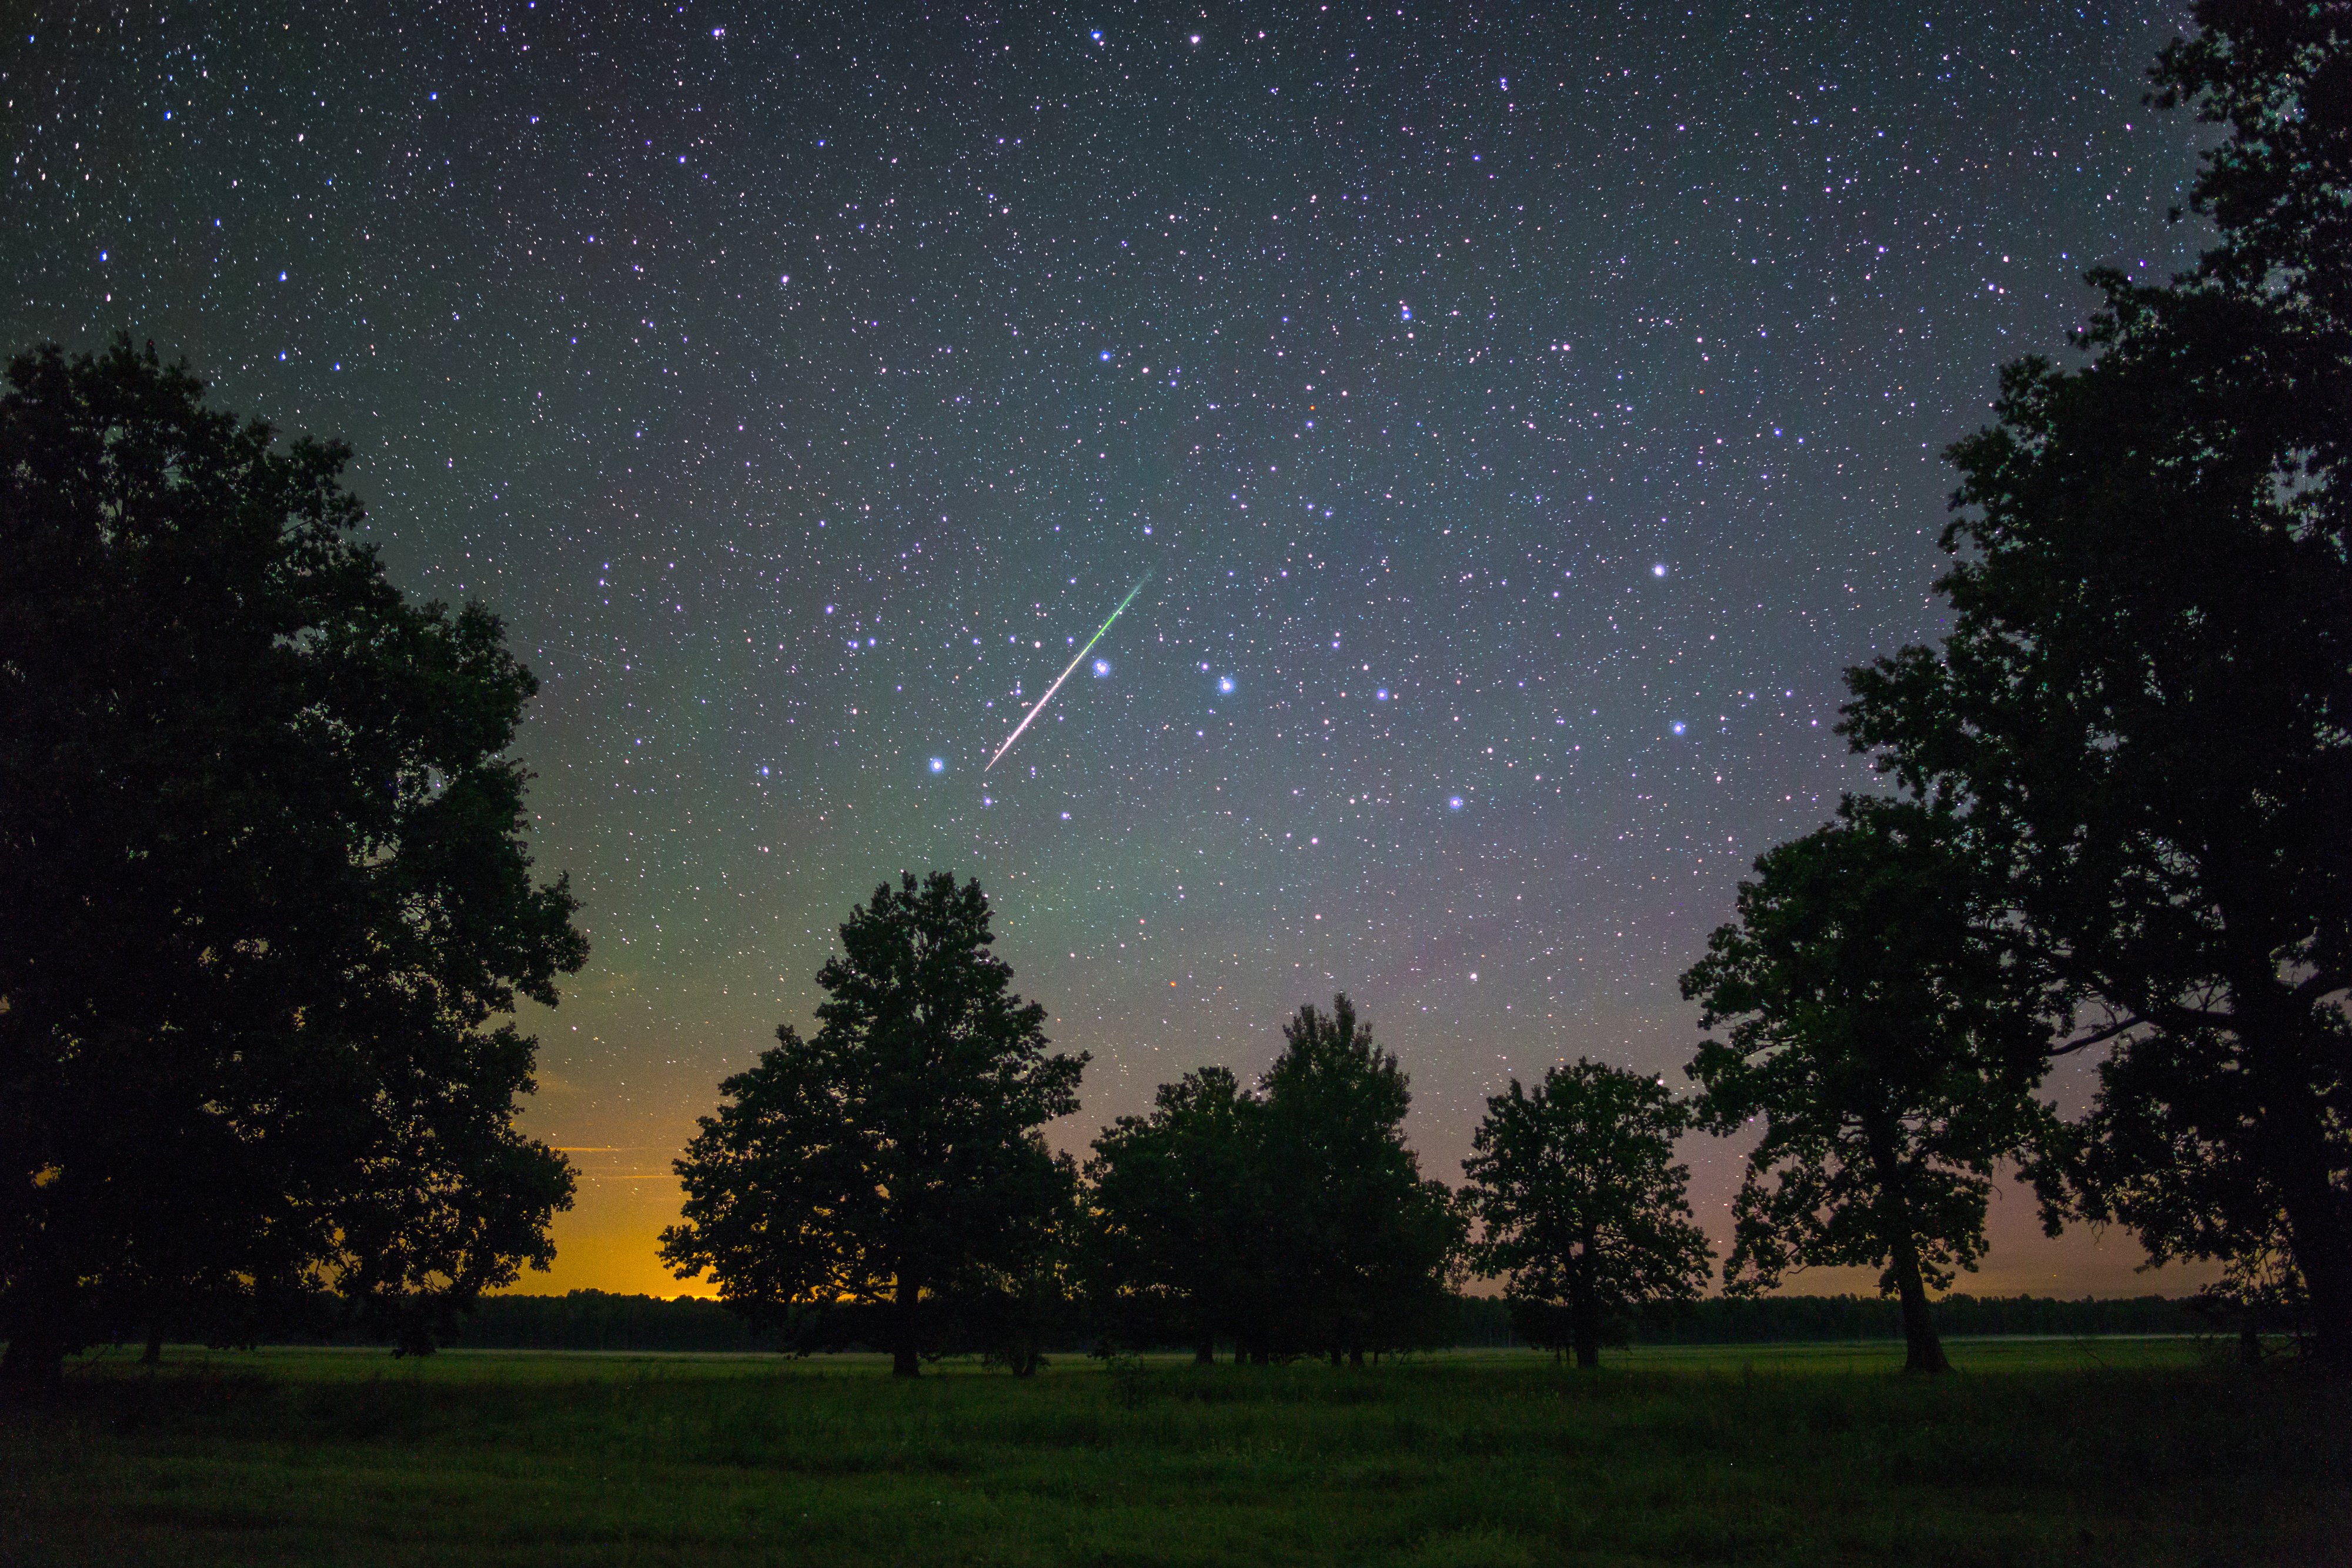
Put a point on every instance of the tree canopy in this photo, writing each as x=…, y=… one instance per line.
x=2144, y=709
x=1581, y=1207
x=896, y=1154
x=262, y=887
x=1180, y=1237
x=1291, y=1217
x=1368, y=1246
x=1881, y=1034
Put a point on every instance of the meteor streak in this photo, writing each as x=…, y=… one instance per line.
x=1039, y=707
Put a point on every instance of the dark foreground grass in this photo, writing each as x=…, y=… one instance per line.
x=2101, y=1452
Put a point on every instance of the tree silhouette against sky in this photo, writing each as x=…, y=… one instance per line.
x=894, y=1154
x=263, y=890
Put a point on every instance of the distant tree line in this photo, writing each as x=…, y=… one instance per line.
x=1770, y=1320
x=598, y=1321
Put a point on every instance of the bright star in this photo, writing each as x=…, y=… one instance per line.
x=1102, y=668
x=1224, y=682
x=1455, y=804
x=1659, y=569
x=939, y=765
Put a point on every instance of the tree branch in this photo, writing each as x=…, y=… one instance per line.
x=2097, y=1037
x=2319, y=985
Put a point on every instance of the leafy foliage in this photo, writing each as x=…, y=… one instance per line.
x=1581, y=1204
x=1370, y=1246
x=1291, y=1218
x=2145, y=706
x=1880, y=1032
x=894, y=1155
x=2171, y=1144
x=262, y=887
x=1182, y=1218
x=2278, y=74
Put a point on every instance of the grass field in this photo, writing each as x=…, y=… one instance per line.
x=2124, y=1452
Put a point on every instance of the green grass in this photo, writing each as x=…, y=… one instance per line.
x=2137, y=1452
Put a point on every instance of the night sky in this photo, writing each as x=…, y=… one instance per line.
x=1523, y=417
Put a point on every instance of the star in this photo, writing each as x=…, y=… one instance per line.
x=635, y=407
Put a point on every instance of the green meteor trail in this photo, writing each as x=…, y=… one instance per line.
x=1040, y=705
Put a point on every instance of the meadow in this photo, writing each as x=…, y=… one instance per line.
x=2034, y=1451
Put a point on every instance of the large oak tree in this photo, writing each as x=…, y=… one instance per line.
x=2145, y=706
x=1581, y=1207
x=1180, y=1243
x=1883, y=1042
x=896, y=1154
x=263, y=888
x=1361, y=1248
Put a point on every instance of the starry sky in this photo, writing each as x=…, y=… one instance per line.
x=1521, y=415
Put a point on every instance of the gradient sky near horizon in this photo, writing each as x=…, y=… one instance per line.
x=1523, y=414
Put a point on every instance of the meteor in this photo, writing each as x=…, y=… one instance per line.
x=1039, y=707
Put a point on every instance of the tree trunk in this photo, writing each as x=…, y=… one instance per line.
x=33, y=1368
x=906, y=1335
x=1584, y=1326
x=2316, y=1221
x=1205, y=1353
x=1923, y=1348
x=154, y=1354
x=2295, y=1149
x=1355, y=1359
x=1584, y=1308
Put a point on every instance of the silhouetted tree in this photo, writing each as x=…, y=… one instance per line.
x=2145, y=706
x=2148, y=1152
x=1010, y=1307
x=262, y=887
x=1581, y=1204
x=894, y=1154
x=1368, y=1248
x=1883, y=1037
x=1179, y=1238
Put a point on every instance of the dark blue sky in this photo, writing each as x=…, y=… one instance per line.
x=1529, y=411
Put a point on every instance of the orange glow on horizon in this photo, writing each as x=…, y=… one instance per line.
x=607, y=1243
